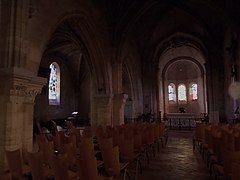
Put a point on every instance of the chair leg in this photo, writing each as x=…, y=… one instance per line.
x=158, y=147
x=140, y=166
x=136, y=173
x=147, y=155
x=126, y=173
x=193, y=141
x=153, y=150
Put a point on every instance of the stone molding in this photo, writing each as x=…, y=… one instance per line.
x=18, y=82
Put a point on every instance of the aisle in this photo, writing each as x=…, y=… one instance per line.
x=177, y=161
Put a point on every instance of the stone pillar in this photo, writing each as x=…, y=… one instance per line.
x=117, y=77
x=17, y=94
x=101, y=110
x=119, y=101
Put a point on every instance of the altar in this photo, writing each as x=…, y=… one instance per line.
x=181, y=120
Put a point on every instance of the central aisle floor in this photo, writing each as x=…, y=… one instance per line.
x=177, y=161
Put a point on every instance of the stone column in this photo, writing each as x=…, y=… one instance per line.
x=101, y=110
x=119, y=101
x=17, y=94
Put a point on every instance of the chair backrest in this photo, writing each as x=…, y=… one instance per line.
x=7, y=176
x=127, y=153
x=115, y=137
x=235, y=171
x=69, y=151
x=100, y=132
x=216, y=140
x=48, y=151
x=14, y=161
x=105, y=143
x=36, y=165
x=199, y=132
x=156, y=131
x=229, y=157
x=62, y=136
x=137, y=140
x=41, y=138
x=237, y=143
x=147, y=135
x=87, y=132
x=87, y=168
x=73, y=139
x=57, y=142
x=111, y=160
x=86, y=148
x=59, y=165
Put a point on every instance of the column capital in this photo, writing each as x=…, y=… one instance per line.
x=18, y=82
x=103, y=99
x=120, y=98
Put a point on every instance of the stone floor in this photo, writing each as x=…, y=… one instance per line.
x=177, y=161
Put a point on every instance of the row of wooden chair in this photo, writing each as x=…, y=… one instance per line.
x=220, y=144
x=71, y=154
x=47, y=165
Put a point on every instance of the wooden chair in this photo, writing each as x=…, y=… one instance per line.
x=88, y=132
x=216, y=157
x=139, y=146
x=16, y=165
x=41, y=138
x=198, y=139
x=68, y=149
x=235, y=171
x=6, y=176
x=237, y=143
x=228, y=157
x=129, y=156
x=86, y=147
x=38, y=170
x=105, y=143
x=57, y=142
x=48, y=151
x=72, y=139
x=88, y=169
x=112, y=165
x=100, y=133
x=59, y=165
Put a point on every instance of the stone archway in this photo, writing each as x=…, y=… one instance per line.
x=184, y=72
x=176, y=53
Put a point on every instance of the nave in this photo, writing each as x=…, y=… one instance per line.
x=173, y=160
x=177, y=161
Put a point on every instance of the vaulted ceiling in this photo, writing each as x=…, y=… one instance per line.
x=152, y=21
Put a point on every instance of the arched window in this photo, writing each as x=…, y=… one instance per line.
x=54, y=85
x=182, y=97
x=172, y=92
x=193, y=93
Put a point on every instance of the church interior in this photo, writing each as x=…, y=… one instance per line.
x=133, y=72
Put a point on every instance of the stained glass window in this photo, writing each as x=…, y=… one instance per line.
x=182, y=93
x=54, y=84
x=171, y=92
x=193, y=95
